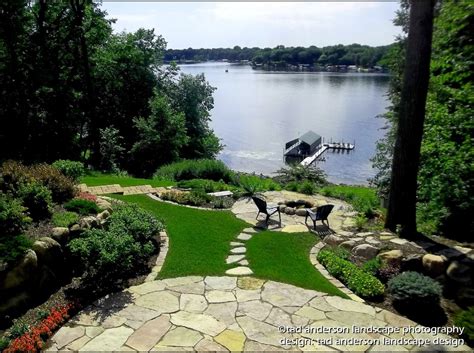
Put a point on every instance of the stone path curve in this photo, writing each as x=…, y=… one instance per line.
x=230, y=314
x=238, y=252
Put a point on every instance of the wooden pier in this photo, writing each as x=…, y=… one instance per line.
x=323, y=148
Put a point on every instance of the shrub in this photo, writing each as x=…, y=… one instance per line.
x=86, y=196
x=362, y=199
x=298, y=173
x=292, y=186
x=195, y=169
x=13, y=247
x=372, y=266
x=198, y=198
x=37, y=198
x=414, y=289
x=62, y=188
x=252, y=184
x=4, y=342
x=175, y=196
x=71, y=169
x=133, y=220
x=19, y=328
x=13, y=217
x=65, y=219
x=109, y=254
x=360, y=282
x=83, y=207
x=307, y=187
x=466, y=319
x=222, y=202
x=339, y=252
x=13, y=174
x=388, y=271
x=205, y=185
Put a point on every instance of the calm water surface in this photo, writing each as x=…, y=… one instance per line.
x=256, y=112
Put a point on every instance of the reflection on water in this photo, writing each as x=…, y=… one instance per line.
x=256, y=112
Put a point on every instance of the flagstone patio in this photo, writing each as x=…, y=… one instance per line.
x=226, y=314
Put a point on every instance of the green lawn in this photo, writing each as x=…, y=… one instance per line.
x=109, y=179
x=284, y=257
x=199, y=239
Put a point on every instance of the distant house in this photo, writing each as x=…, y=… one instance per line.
x=304, y=145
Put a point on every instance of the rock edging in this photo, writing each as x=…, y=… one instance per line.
x=160, y=260
x=313, y=257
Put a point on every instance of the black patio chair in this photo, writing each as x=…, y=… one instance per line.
x=263, y=208
x=321, y=214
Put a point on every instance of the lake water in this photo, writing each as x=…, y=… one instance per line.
x=256, y=112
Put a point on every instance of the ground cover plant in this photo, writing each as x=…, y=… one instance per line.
x=71, y=169
x=64, y=218
x=284, y=257
x=81, y=206
x=363, y=199
x=199, y=239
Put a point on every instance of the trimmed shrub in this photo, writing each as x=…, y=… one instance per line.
x=388, y=271
x=12, y=247
x=195, y=169
x=83, y=207
x=414, y=289
x=62, y=188
x=307, y=187
x=13, y=174
x=37, y=198
x=198, y=198
x=71, y=169
x=465, y=319
x=65, y=219
x=133, y=220
x=360, y=282
x=205, y=185
x=13, y=217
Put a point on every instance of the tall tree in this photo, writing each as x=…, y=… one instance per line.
x=403, y=186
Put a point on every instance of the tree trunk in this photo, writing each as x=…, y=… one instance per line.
x=406, y=157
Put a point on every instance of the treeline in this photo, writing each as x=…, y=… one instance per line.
x=445, y=178
x=354, y=54
x=71, y=89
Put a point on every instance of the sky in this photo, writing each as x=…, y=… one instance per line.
x=259, y=24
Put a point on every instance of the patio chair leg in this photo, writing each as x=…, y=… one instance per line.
x=279, y=216
x=257, y=215
x=268, y=217
x=314, y=225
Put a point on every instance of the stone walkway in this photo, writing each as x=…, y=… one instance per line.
x=230, y=314
x=237, y=254
x=117, y=189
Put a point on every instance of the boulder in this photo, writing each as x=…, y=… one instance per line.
x=348, y=245
x=75, y=230
x=282, y=208
x=60, y=234
x=290, y=211
x=89, y=222
x=412, y=262
x=332, y=239
x=365, y=251
x=459, y=272
x=103, y=215
x=434, y=265
x=465, y=296
x=392, y=256
x=48, y=252
x=22, y=273
x=301, y=212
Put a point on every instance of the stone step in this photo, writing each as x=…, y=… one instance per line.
x=239, y=250
x=239, y=271
x=249, y=230
x=244, y=236
x=244, y=263
x=234, y=258
x=236, y=243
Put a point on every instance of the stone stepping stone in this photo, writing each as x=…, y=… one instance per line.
x=239, y=271
x=244, y=236
x=236, y=243
x=234, y=258
x=249, y=230
x=399, y=241
x=244, y=263
x=239, y=250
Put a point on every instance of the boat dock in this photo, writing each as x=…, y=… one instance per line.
x=323, y=148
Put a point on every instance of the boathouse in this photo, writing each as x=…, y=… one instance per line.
x=304, y=145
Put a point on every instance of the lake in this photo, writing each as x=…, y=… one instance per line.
x=256, y=112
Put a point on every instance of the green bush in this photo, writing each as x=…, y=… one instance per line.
x=362, y=199
x=4, y=343
x=372, y=266
x=37, y=198
x=13, y=217
x=292, y=186
x=205, y=185
x=198, y=198
x=360, y=282
x=298, y=173
x=133, y=220
x=414, y=289
x=252, y=184
x=14, y=246
x=114, y=252
x=18, y=329
x=65, y=219
x=307, y=187
x=339, y=252
x=222, y=202
x=81, y=206
x=195, y=169
x=466, y=319
x=13, y=174
x=71, y=169
x=175, y=196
